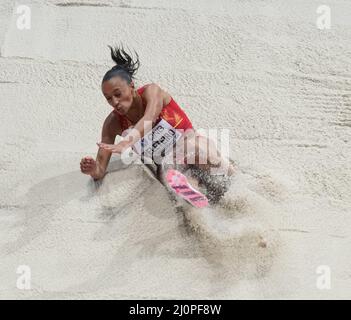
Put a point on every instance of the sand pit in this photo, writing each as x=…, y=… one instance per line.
x=261, y=69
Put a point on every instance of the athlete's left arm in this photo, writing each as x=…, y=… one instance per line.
x=154, y=103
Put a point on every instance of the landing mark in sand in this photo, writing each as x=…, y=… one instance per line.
x=82, y=4
x=294, y=230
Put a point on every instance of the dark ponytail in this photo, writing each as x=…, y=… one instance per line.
x=125, y=66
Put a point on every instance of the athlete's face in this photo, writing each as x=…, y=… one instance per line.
x=119, y=94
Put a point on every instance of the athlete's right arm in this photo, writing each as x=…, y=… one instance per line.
x=97, y=168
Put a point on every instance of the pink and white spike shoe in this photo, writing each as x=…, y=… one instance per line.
x=180, y=185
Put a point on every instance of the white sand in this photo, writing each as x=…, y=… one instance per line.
x=260, y=68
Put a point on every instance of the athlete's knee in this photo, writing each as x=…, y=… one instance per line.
x=207, y=151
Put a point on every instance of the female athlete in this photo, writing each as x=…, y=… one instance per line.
x=136, y=112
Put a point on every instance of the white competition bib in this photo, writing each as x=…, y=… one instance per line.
x=157, y=142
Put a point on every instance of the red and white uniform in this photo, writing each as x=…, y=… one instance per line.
x=172, y=113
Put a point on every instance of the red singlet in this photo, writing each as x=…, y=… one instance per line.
x=171, y=113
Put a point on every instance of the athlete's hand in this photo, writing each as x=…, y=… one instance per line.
x=115, y=148
x=87, y=165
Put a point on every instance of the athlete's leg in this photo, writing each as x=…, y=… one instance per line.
x=197, y=157
x=208, y=165
x=202, y=152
